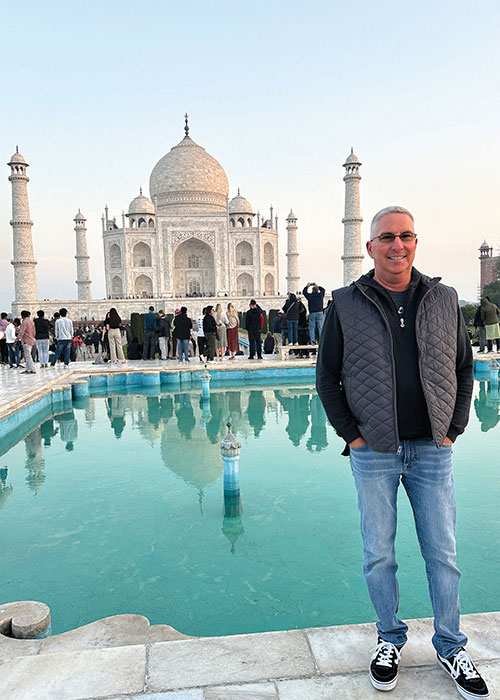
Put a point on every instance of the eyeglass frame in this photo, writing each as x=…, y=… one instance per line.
x=396, y=235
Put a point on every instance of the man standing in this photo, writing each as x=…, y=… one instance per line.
x=42, y=327
x=200, y=335
x=64, y=337
x=163, y=326
x=149, y=344
x=315, y=302
x=395, y=377
x=253, y=323
x=27, y=339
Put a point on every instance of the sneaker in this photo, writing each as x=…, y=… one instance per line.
x=461, y=668
x=66, y=366
x=384, y=665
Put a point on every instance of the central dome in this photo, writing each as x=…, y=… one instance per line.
x=189, y=175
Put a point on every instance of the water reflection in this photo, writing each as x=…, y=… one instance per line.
x=5, y=488
x=68, y=429
x=486, y=406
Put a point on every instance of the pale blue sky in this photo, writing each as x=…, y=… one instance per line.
x=278, y=92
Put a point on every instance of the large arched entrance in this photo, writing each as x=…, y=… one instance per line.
x=194, y=270
x=143, y=286
x=245, y=285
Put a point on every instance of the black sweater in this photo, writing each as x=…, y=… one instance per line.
x=413, y=418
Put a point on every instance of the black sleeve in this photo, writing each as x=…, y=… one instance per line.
x=465, y=381
x=328, y=378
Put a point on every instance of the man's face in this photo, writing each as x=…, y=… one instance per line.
x=394, y=258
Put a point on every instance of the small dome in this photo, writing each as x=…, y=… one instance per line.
x=240, y=205
x=189, y=175
x=291, y=215
x=79, y=216
x=141, y=205
x=484, y=245
x=17, y=158
x=352, y=158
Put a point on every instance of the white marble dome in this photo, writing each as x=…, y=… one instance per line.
x=240, y=205
x=189, y=175
x=17, y=158
x=141, y=205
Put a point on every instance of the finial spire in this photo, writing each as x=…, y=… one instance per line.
x=186, y=128
x=352, y=151
x=238, y=191
x=17, y=149
x=140, y=190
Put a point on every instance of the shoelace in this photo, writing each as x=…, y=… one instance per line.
x=385, y=650
x=463, y=662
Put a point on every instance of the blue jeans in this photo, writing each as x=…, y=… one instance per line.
x=183, y=346
x=284, y=336
x=293, y=331
x=426, y=474
x=42, y=347
x=62, y=345
x=315, y=322
x=13, y=349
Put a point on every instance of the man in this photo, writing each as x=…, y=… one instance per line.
x=163, y=327
x=42, y=327
x=64, y=337
x=12, y=344
x=149, y=344
x=4, y=322
x=277, y=331
x=395, y=377
x=315, y=302
x=209, y=326
x=253, y=323
x=27, y=339
x=202, y=343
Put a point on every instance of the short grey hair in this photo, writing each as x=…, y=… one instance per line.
x=388, y=210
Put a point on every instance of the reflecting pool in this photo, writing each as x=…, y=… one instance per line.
x=117, y=505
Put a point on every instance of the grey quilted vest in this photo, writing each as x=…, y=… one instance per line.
x=368, y=372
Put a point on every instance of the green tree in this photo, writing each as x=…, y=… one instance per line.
x=468, y=312
x=492, y=291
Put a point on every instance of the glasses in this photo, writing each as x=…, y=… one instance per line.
x=405, y=237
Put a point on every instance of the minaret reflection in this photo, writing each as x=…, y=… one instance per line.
x=68, y=428
x=255, y=411
x=232, y=525
x=48, y=431
x=35, y=462
x=486, y=406
x=5, y=488
x=317, y=438
x=297, y=407
x=185, y=415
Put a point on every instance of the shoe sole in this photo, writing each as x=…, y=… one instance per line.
x=383, y=686
x=463, y=693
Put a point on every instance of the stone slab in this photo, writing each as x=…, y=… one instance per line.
x=249, y=691
x=415, y=683
x=74, y=675
x=345, y=649
x=232, y=659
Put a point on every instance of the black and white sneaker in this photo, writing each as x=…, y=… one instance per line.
x=461, y=668
x=384, y=665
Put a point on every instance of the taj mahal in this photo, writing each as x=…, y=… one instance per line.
x=186, y=242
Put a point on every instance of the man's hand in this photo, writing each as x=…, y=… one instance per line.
x=358, y=442
x=447, y=441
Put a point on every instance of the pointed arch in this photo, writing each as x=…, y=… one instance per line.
x=244, y=253
x=244, y=285
x=141, y=255
x=269, y=254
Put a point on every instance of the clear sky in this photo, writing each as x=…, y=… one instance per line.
x=94, y=95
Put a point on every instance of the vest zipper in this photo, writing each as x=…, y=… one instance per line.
x=419, y=346
x=394, y=400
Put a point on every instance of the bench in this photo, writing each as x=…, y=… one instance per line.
x=284, y=349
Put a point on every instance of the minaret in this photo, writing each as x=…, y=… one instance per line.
x=292, y=255
x=24, y=258
x=352, y=221
x=82, y=258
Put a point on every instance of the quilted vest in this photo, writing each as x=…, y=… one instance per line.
x=368, y=369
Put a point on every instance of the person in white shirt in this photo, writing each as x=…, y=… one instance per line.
x=64, y=337
x=202, y=341
x=12, y=344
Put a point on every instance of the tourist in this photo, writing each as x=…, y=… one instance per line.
x=303, y=327
x=398, y=392
x=276, y=330
x=210, y=331
x=480, y=329
x=134, y=350
x=96, y=337
x=489, y=316
x=149, y=343
x=315, y=301
x=12, y=344
x=233, y=323
x=284, y=329
x=163, y=328
x=200, y=336
x=64, y=337
x=27, y=339
x=269, y=344
x=254, y=323
x=77, y=347
x=291, y=309
x=182, y=329
x=42, y=327
x=115, y=337
x=4, y=322
x=221, y=340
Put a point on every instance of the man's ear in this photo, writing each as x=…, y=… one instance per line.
x=369, y=245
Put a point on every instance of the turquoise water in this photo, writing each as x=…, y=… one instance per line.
x=118, y=507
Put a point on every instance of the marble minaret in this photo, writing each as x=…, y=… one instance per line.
x=353, y=256
x=292, y=278
x=82, y=258
x=23, y=258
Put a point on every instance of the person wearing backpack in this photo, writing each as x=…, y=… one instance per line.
x=254, y=323
x=291, y=309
